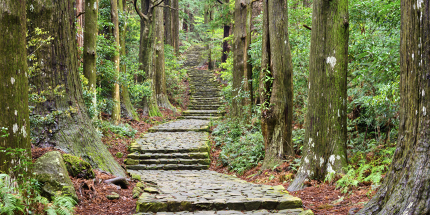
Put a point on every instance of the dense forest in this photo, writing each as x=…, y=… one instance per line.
x=322, y=101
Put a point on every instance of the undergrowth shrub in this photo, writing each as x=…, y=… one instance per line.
x=242, y=146
x=120, y=129
x=367, y=168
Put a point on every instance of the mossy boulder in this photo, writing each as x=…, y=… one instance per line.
x=51, y=171
x=78, y=167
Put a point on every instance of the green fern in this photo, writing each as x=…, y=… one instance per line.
x=61, y=205
x=9, y=201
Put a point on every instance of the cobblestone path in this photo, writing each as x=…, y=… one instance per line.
x=173, y=158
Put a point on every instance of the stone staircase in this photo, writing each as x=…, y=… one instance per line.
x=172, y=161
x=205, y=96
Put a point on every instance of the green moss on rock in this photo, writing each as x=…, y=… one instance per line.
x=51, y=172
x=78, y=167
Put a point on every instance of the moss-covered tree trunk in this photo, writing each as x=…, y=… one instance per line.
x=158, y=59
x=90, y=45
x=116, y=109
x=324, y=149
x=127, y=107
x=58, y=81
x=13, y=81
x=406, y=187
x=277, y=83
x=175, y=26
x=146, y=50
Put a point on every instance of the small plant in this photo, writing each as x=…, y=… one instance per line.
x=121, y=129
x=242, y=145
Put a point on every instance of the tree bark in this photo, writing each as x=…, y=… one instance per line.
x=129, y=111
x=71, y=129
x=14, y=114
x=277, y=96
x=239, y=68
x=208, y=18
x=325, y=136
x=175, y=26
x=158, y=59
x=225, y=48
x=116, y=109
x=90, y=45
x=405, y=189
x=146, y=51
x=168, y=23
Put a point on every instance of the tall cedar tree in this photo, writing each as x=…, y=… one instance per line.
x=175, y=26
x=13, y=82
x=90, y=45
x=116, y=109
x=58, y=81
x=159, y=61
x=241, y=73
x=126, y=105
x=146, y=52
x=324, y=149
x=406, y=188
x=277, y=82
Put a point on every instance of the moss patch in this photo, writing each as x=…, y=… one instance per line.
x=78, y=167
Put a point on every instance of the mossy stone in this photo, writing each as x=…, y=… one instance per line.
x=136, y=177
x=113, y=196
x=307, y=212
x=78, y=167
x=51, y=171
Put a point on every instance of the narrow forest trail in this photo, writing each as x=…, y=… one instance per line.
x=173, y=160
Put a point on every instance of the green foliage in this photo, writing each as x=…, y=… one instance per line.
x=175, y=77
x=3, y=132
x=242, y=145
x=368, y=168
x=121, y=129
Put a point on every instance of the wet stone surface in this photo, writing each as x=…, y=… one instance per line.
x=224, y=212
x=192, y=190
x=174, y=141
x=182, y=125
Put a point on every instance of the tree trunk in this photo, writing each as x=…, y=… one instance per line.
x=405, y=189
x=116, y=110
x=146, y=51
x=207, y=19
x=128, y=108
x=248, y=66
x=158, y=59
x=175, y=26
x=14, y=114
x=80, y=5
x=58, y=81
x=277, y=96
x=90, y=45
x=225, y=48
x=325, y=136
x=239, y=32
x=168, y=23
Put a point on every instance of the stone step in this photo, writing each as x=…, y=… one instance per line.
x=202, y=113
x=200, y=117
x=296, y=211
x=207, y=190
x=182, y=126
x=204, y=107
x=176, y=161
x=167, y=167
x=194, y=104
x=191, y=155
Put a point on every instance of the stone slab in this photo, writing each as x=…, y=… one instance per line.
x=208, y=190
x=182, y=126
